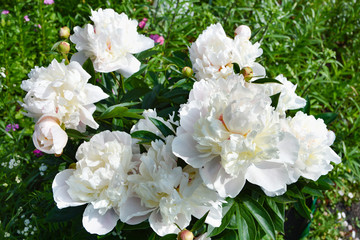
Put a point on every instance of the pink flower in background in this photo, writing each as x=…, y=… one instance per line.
x=142, y=23
x=26, y=17
x=13, y=127
x=5, y=12
x=157, y=38
x=38, y=153
x=48, y=2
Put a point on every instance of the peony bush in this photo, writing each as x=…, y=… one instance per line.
x=230, y=157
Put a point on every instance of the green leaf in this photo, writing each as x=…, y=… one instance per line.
x=293, y=191
x=76, y=134
x=166, y=131
x=225, y=221
x=275, y=99
x=303, y=209
x=236, y=68
x=312, y=191
x=327, y=117
x=146, y=54
x=325, y=183
x=143, y=225
x=199, y=223
x=260, y=214
x=146, y=136
x=266, y=80
x=306, y=109
x=169, y=237
x=89, y=68
x=272, y=204
x=120, y=111
x=242, y=226
x=65, y=214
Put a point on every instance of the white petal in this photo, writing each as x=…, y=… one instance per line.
x=87, y=118
x=143, y=43
x=272, y=177
x=79, y=57
x=162, y=229
x=94, y=94
x=96, y=223
x=60, y=139
x=132, y=212
x=289, y=149
x=60, y=187
x=132, y=67
x=258, y=70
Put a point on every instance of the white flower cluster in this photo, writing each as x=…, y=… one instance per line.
x=231, y=133
x=119, y=183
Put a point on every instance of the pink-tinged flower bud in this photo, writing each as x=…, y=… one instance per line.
x=64, y=32
x=64, y=47
x=243, y=31
x=185, y=235
x=48, y=2
x=157, y=38
x=26, y=18
x=48, y=136
x=187, y=71
x=142, y=23
x=247, y=72
x=5, y=12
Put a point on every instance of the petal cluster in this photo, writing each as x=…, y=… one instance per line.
x=110, y=42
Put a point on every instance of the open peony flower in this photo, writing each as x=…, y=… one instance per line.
x=62, y=90
x=48, y=136
x=169, y=195
x=213, y=53
x=232, y=134
x=99, y=180
x=288, y=99
x=110, y=42
x=315, y=154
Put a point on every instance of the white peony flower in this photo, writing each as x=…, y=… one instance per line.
x=213, y=53
x=232, y=134
x=48, y=136
x=62, y=90
x=110, y=42
x=99, y=180
x=288, y=99
x=168, y=194
x=315, y=154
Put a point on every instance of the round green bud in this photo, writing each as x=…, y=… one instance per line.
x=187, y=71
x=185, y=235
x=64, y=32
x=64, y=47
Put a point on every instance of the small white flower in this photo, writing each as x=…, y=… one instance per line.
x=100, y=179
x=110, y=42
x=62, y=90
x=48, y=136
x=341, y=192
x=350, y=195
x=343, y=215
x=315, y=154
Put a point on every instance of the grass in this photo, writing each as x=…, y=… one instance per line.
x=315, y=44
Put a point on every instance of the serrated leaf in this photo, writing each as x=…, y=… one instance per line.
x=224, y=222
x=236, y=68
x=327, y=117
x=165, y=130
x=266, y=80
x=145, y=136
x=260, y=214
x=199, y=223
x=275, y=100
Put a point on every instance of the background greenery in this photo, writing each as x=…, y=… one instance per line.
x=313, y=43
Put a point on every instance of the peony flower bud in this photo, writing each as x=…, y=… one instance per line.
x=185, y=235
x=243, y=31
x=187, y=71
x=64, y=47
x=142, y=23
x=64, y=32
x=247, y=72
x=48, y=136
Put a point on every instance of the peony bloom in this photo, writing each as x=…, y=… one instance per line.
x=48, y=136
x=232, y=134
x=288, y=99
x=213, y=53
x=99, y=180
x=110, y=42
x=169, y=195
x=62, y=90
x=315, y=154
